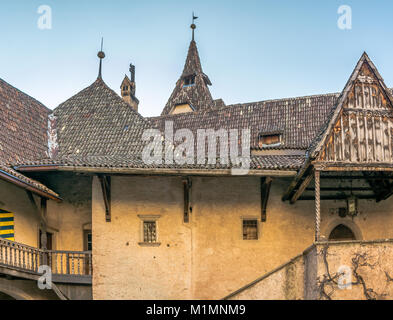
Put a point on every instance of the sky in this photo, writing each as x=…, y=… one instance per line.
x=251, y=50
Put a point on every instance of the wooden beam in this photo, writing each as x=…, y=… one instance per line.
x=335, y=177
x=342, y=189
x=106, y=193
x=337, y=197
x=44, y=237
x=187, y=209
x=302, y=187
x=265, y=191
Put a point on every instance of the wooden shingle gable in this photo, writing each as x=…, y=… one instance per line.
x=360, y=129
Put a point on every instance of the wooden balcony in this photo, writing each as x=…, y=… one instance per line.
x=20, y=260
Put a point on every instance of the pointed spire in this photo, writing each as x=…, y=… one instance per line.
x=192, y=87
x=101, y=55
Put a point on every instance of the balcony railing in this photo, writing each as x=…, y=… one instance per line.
x=67, y=266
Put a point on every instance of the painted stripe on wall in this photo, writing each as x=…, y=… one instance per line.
x=7, y=225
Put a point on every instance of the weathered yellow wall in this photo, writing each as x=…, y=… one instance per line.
x=206, y=258
x=68, y=217
x=65, y=219
x=26, y=220
x=284, y=283
x=122, y=268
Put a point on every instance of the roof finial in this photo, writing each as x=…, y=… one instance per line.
x=101, y=55
x=193, y=26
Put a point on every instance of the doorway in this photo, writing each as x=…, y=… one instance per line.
x=341, y=233
x=49, y=240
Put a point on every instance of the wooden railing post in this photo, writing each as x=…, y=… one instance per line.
x=23, y=257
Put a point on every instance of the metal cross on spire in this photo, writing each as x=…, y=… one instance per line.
x=101, y=55
x=193, y=26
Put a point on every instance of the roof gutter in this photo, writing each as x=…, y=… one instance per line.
x=220, y=172
x=10, y=178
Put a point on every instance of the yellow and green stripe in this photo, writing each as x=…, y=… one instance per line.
x=7, y=225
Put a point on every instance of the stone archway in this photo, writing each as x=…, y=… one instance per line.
x=341, y=233
x=345, y=229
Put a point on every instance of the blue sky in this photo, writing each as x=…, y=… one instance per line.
x=251, y=49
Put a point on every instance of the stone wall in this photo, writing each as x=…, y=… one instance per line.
x=207, y=258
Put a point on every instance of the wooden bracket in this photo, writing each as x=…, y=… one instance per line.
x=187, y=189
x=302, y=187
x=106, y=194
x=265, y=190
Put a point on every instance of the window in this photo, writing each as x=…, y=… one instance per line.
x=125, y=88
x=149, y=230
x=269, y=140
x=189, y=81
x=250, y=229
x=88, y=240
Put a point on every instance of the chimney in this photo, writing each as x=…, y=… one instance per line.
x=128, y=88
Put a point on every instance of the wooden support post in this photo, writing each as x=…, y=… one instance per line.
x=317, y=175
x=44, y=238
x=106, y=194
x=265, y=190
x=187, y=189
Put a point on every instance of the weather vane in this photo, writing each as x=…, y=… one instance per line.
x=193, y=26
x=101, y=55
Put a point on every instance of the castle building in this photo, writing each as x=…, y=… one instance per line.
x=295, y=196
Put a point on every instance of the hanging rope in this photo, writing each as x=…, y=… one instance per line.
x=317, y=205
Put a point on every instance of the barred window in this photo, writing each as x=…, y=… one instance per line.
x=250, y=229
x=149, y=231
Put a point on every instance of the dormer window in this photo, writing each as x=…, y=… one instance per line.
x=189, y=81
x=269, y=140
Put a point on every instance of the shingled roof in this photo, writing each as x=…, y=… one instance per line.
x=297, y=119
x=23, y=136
x=197, y=95
x=24, y=125
x=96, y=121
x=119, y=162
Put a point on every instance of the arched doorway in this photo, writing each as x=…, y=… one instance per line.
x=341, y=233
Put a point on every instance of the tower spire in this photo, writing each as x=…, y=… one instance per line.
x=193, y=26
x=101, y=55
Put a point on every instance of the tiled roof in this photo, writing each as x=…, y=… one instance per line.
x=196, y=95
x=298, y=119
x=96, y=121
x=119, y=161
x=24, y=125
x=16, y=176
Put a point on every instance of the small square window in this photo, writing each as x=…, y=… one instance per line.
x=250, y=229
x=149, y=231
